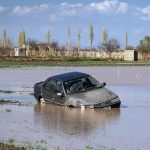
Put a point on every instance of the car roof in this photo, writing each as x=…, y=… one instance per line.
x=69, y=76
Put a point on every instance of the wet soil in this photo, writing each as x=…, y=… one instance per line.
x=57, y=127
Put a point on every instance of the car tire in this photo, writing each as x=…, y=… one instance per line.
x=42, y=101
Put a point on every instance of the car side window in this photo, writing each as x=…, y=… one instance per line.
x=59, y=87
x=73, y=86
x=50, y=85
x=54, y=86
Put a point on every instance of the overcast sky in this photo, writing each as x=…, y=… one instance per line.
x=37, y=16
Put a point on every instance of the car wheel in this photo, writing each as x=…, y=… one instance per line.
x=42, y=101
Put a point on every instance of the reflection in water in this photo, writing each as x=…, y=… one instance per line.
x=73, y=120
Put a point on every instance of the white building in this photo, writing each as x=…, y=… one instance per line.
x=130, y=55
x=19, y=51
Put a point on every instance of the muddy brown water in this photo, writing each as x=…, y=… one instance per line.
x=55, y=127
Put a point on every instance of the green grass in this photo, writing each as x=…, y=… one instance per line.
x=10, y=147
x=69, y=62
x=26, y=145
x=6, y=91
x=11, y=140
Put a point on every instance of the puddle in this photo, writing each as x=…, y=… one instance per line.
x=55, y=126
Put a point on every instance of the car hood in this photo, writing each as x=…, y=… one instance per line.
x=93, y=96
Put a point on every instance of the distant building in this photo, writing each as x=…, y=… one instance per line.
x=39, y=50
x=19, y=52
x=35, y=50
x=130, y=55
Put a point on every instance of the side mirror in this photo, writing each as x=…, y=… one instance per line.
x=103, y=84
x=59, y=94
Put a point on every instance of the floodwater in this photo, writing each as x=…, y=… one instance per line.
x=52, y=126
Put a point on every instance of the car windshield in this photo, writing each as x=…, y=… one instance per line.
x=81, y=85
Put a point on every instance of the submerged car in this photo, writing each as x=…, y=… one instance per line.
x=75, y=89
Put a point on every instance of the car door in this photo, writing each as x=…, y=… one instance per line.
x=59, y=93
x=48, y=92
x=51, y=89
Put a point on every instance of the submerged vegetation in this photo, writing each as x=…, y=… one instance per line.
x=30, y=146
x=10, y=147
x=13, y=102
x=6, y=91
x=8, y=110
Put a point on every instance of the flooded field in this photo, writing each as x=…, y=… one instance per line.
x=55, y=127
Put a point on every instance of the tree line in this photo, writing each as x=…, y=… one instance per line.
x=106, y=44
x=6, y=42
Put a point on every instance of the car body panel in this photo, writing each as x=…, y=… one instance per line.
x=53, y=97
x=97, y=97
x=93, y=96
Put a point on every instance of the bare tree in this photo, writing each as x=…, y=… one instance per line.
x=68, y=37
x=55, y=47
x=21, y=39
x=48, y=37
x=12, y=44
x=79, y=38
x=9, y=44
x=4, y=39
x=144, y=47
x=104, y=37
x=130, y=47
x=91, y=36
x=112, y=45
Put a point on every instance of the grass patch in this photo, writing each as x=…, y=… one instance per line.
x=98, y=147
x=20, y=62
x=11, y=140
x=8, y=110
x=30, y=146
x=16, y=103
x=6, y=91
x=25, y=104
x=88, y=147
x=10, y=147
x=8, y=101
x=27, y=145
